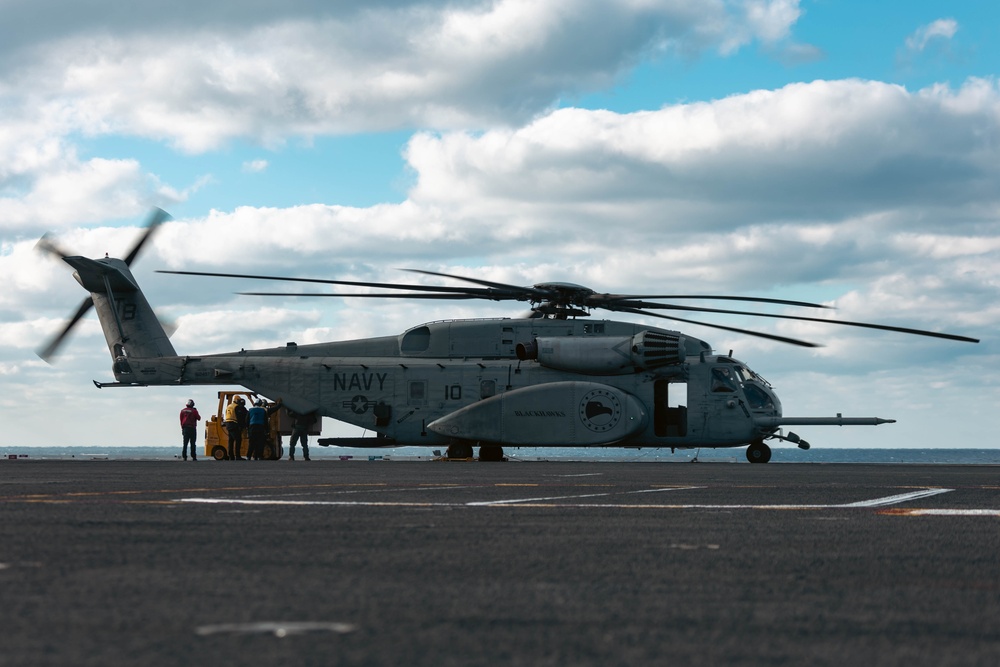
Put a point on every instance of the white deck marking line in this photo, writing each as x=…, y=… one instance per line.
x=543, y=502
x=347, y=492
x=353, y=503
x=588, y=495
x=278, y=629
x=901, y=498
x=515, y=501
x=938, y=512
x=387, y=503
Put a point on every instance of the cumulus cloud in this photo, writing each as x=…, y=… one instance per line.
x=769, y=22
x=255, y=166
x=702, y=195
x=359, y=66
x=198, y=75
x=742, y=194
x=939, y=30
x=787, y=154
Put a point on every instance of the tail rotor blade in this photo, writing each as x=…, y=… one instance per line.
x=50, y=247
x=49, y=350
x=157, y=217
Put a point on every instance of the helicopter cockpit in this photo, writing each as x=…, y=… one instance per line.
x=731, y=376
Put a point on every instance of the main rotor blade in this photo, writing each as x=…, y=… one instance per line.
x=527, y=291
x=748, y=332
x=614, y=302
x=156, y=218
x=597, y=300
x=49, y=350
x=846, y=323
x=471, y=292
x=751, y=299
x=368, y=296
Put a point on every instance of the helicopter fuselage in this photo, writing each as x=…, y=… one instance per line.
x=504, y=381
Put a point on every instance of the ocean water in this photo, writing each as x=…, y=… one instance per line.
x=598, y=454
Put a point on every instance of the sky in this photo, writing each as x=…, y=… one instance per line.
x=846, y=152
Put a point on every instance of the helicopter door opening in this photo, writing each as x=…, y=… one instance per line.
x=669, y=416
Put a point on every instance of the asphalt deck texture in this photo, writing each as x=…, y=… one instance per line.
x=467, y=563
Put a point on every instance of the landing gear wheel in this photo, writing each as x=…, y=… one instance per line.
x=491, y=453
x=758, y=452
x=460, y=451
x=219, y=453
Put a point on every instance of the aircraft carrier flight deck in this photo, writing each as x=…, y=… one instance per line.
x=455, y=563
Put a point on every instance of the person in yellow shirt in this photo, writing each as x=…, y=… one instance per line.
x=236, y=421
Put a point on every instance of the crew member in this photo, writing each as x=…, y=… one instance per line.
x=236, y=419
x=301, y=424
x=257, y=425
x=189, y=429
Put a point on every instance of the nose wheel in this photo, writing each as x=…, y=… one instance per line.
x=460, y=450
x=758, y=452
x=491, y=453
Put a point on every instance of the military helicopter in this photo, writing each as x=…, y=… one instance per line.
x=549, y=378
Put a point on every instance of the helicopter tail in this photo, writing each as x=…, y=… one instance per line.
x=131, y=329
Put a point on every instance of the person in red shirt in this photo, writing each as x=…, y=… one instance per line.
x=189, y=429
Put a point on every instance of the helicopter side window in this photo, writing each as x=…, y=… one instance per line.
x=487, y=388
x=757, y=398
x=418, y=391
x=722, y=380
x=757, y=378
x=416, y=340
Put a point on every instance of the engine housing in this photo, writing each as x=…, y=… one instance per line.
x=606, y=355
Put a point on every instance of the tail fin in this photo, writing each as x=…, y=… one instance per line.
x=130, y=326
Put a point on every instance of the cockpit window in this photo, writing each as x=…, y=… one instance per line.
x=757, y=398
x=756, y=377
x=723, y=380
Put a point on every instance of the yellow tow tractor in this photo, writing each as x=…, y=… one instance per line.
x=217, y=438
